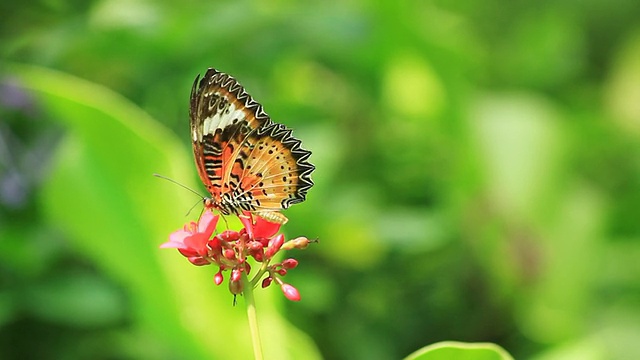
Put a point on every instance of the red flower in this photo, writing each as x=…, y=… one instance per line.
x=192, y=240
x=229, y=250
x=259, y=230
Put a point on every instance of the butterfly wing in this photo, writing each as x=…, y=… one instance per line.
x=222, y=114
x=246, y=161
x=276, y=173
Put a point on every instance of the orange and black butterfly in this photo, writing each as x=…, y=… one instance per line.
x=246, y=161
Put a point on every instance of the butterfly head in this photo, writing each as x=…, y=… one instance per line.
x=211, y=203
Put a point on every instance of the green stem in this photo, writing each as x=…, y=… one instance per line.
x=258, y=275
x=253, y=316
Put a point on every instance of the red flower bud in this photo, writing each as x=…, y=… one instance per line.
x=290, y=292
x=274, y=246
x=290, y=263
x=282, y=272
x=236, y=274
x=218, y=278
x=229, y=254
x=254, y=246
x=259, y=256
x=228, y=235
x=267, y=281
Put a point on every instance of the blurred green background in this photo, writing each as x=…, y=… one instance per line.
x=478, y=176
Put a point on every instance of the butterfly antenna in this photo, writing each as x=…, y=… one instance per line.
x=193, y=207
x=181, y=185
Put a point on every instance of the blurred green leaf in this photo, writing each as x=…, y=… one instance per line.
x=77, y=300
x=447, y=350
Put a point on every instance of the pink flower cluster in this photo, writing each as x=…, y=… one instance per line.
x=259, y=239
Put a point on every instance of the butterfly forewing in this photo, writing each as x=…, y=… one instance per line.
x=246, y=161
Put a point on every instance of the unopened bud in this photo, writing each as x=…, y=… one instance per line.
x=267, y=281
x=290, y=263
x=254, y=246
x=228, y=235
x=236, y=274
x=290, y=292
x=229, y=254
x=259, y=256
x=297, y=243
x=274, y=246
x=218, y=278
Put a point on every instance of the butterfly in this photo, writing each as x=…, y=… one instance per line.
x=246, y=161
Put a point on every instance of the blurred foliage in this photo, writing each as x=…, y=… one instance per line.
x=446, y=350
x=478, y=176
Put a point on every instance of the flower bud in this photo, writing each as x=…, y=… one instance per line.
x=297, y=243
x=218, y=278
x=290, y=292
x=290, y=263
x=228, y=235
x=282, y=272
x=236, y=274
x=254, y=246
x=229, y=254
x=259, y=256
x=267, y=281
x=274, y=246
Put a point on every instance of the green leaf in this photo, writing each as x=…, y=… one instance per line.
x=447, y=350
x=75, y=300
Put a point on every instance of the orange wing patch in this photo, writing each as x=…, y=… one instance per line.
x=272, y=175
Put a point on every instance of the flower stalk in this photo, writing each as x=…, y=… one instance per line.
x=252, y=316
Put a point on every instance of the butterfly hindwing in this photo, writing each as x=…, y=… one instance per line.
x=276, y=173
